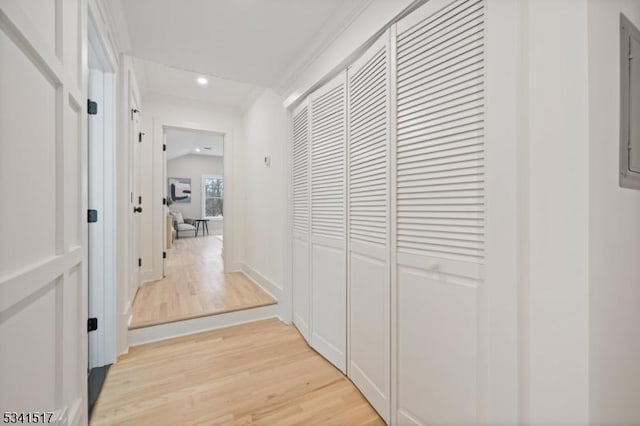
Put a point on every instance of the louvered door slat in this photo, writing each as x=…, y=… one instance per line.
x=440, y=125
x=369, y=235
x=328, y=163
x=301, y=171
x=368, y=147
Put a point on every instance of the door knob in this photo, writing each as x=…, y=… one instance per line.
x=137, y=209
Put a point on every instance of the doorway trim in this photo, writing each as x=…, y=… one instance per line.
x=104, y=301
x=159, y=125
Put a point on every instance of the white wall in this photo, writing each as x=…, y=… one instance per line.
x=194, y=167
x=614, y=232
x=556, y=229
x=266, y=132
x=160, y=111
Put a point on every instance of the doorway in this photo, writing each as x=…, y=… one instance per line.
x=101, y=176
x=195, y=283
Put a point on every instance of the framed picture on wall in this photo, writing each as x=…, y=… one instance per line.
x=180, y=190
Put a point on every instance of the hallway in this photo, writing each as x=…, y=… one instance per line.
x=195, y=285
x=430, y=212
x=258, y=373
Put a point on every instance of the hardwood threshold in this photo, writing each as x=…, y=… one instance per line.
x=152, y=323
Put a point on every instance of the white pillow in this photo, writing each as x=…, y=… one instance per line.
x=178, y=217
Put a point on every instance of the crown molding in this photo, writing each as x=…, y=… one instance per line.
x=335, y=26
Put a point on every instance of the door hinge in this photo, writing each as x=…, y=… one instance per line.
x=134, y=111
x=92, y=107
x=164, y=147
x=139, y=262
x=92, y=216
x=164, y=201
x=140, y=135
x=92, y=324
x=164, y=254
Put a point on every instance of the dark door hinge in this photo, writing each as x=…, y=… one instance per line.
x=164, y=147
x=92, y=216
x=140, y=135
x=139, y=262
x=92, y=324
x=164, y=254
x=134, y=111
x=92, y=107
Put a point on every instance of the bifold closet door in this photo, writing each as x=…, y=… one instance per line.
x=328, y=227
x=301, y=219
x=368, y=226
x=439, y=184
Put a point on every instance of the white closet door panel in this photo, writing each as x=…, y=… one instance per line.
x=369, y=255
x=439, y=210
x=437, y=363
x=301, y=287
x=329, y=327
x=301, y=220
x=328, y=222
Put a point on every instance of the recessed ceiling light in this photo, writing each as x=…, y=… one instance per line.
x=197, y=149
x=202, y=81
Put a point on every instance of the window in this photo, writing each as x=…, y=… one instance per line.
x=630, y=104
x=212, y=196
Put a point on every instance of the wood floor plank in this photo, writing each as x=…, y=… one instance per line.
x=195, y=286
x=261, y=373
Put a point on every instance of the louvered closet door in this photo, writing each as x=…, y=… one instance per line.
x=301, y=219
x=328, y=224
x=368, y=262
x=439, y=188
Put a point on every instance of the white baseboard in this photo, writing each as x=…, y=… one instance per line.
x=235, y=267
x=156, y=333
x=263, y=282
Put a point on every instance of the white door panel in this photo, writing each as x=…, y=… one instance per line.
x=439, y=211
x=437, y=334
x=369, y=328
x=136, y=191
x=43, y=157
x=301, y=221
x=301, y=291
x=328, y=221
x=369, y=223
x=328, y=303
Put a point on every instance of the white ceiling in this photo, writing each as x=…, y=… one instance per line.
x=181, y=142
x=155, y=78
x=252, y=41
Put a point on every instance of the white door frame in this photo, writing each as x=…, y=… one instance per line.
x=102, y=244
x=160, y=125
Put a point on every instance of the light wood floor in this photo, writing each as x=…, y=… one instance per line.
x=195, y=286
x=257, y=373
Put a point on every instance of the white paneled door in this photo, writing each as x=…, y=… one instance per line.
x=301, y=221
x=328, y=221
x=369, y=225
x=136, y=198
x=439, y=186
x=43, y=157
